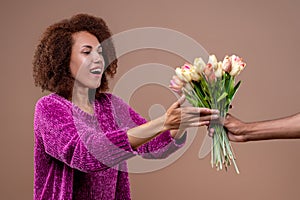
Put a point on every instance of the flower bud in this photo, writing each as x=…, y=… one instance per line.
x=226, y=65
x=237, y=65
x=199, y=65
x=187, y=75
x=219, y=71
x=213, y=61
x=194, y=75
x=208, y=70
x=186, y=66
x=178, y=72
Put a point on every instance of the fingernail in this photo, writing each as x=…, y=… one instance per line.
x=215, y=116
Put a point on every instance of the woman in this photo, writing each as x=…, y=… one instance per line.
x=83, y=135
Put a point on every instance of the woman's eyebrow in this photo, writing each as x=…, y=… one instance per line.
x=90, y=47
x=87, y=46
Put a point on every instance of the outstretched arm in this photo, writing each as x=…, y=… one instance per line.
x=175, y=118
x=283, y=128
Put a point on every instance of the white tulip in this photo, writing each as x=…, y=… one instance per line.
x=219, y=71
x=213, y=61
x=199, y=65
x=235, y=70
x=194, y=75
x=178, y=72
x=187, y=75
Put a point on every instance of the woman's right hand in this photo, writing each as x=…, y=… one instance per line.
x=178, y=117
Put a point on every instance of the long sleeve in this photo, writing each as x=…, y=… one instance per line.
x=159, y=147
x=81, y=144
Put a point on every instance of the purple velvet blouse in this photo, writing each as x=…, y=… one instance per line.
x=82, y=156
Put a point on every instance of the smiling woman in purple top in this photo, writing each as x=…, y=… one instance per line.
x=83, y=135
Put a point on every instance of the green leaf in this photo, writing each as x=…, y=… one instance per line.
x=233, y=92
x=228, y=83
x=237, y=85
x=199, y=91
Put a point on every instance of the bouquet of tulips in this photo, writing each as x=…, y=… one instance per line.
x=212, y=85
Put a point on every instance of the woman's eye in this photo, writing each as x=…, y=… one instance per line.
x=86, y=52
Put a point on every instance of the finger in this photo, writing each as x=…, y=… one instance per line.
x=210, y=132
x=209, y=111
x=181, y=100
x=228, y=115
x=189, y=119
x=209, y=118
x=193, y=110
x=178, y=102
x=197, y=124
x=227, y=118
x=235, y=138
x=197, y=110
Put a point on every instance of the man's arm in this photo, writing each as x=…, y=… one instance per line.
x=283, y=128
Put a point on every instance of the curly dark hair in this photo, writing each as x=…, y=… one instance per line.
x=51, y=60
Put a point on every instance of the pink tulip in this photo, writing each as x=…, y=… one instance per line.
x=226, y=65
x=208, y=69
x=237, y=65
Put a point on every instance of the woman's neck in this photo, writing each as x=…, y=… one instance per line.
x=80, y=97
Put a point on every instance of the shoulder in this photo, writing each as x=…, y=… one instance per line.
x=111, y=98
x=52, y=102
x=113, y=102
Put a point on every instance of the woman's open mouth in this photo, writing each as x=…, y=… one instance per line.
x=96, y=70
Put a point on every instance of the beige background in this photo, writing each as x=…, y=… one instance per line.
x=264, y=33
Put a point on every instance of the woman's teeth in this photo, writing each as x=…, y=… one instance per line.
x=96, y=71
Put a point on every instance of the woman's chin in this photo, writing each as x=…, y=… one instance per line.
x=94, y=87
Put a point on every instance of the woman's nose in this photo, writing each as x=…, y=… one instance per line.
x=97, y=58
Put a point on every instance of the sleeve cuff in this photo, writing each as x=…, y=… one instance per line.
x=181, y=141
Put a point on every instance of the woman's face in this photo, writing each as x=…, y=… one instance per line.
x=87, y=62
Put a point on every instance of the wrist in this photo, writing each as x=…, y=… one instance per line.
x=251, y=131
x=246, y=132
x=164, y=125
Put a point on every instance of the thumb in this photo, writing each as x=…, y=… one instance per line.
x=181, y=100
x=227, y=118
x=178, y=102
